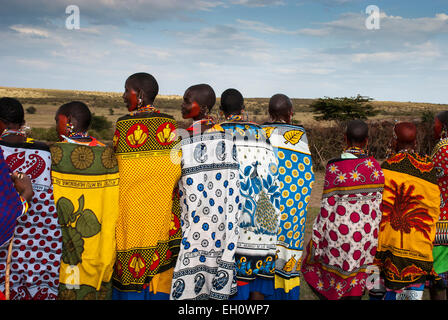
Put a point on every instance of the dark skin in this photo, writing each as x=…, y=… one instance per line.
x=438, y=126
x=191, y=109
x=406, y=136
x=229, y=114
x=12, y=126
x=280, y=109
x=62, y=129
x=361, y=145
x=22, y=183
x=134, y=98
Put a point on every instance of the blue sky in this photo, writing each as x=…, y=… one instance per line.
x=303, y=48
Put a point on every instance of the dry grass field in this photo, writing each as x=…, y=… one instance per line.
x=47, y=101
x=111, y=106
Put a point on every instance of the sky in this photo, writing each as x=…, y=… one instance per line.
x=302, y=48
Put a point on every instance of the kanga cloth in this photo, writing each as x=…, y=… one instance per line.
x=345, y=233
x=12, y=206
x=210, y=209
x=85, y=181
x=296, y=178
x=37, y=244
x=410, y=211
x=260, y=198
x=440, y=252
x=148, y=228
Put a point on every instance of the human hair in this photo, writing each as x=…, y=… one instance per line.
x=443, y=118
x=357, y=131
x=232, y=102
x=280, y=106
x=146, y=83
x=79, y=111
x=203, y=94
x=11, y=111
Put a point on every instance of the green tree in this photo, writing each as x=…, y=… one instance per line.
x=343, y=109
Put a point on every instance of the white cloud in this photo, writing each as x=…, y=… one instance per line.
x=30, y=31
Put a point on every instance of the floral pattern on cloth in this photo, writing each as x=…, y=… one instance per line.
x=210, y=209
x=259, y=188
x=410, y=211
x=296, y=179
x=37, y=244
x=345, y=233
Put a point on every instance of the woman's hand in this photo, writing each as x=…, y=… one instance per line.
x=22, y=183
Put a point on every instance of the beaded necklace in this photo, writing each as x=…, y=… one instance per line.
x=356, y=151
x=149, y=108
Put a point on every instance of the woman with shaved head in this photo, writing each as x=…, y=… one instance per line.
x=344, y=237
x=296, y=178
x=410, y=211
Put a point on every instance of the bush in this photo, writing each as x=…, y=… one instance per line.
x=343, y=109
x=100, y=123
x=44, y=134
x=31, y=110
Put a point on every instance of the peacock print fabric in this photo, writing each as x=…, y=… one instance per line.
x=260, y=198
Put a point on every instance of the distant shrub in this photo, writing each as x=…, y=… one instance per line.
x=31, y=110
x=100, y=123
x=44, y=134
x=343, y=109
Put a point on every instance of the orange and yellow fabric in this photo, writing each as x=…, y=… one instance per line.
x=410, y=211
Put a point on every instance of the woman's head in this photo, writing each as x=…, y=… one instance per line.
x=440, y=124
x=198, y=101
x=140, y=89
x=11, y=114
x=232, y=102
x=74, y=116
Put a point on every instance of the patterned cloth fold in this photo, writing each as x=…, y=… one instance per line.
x=148, y=227
x=440, y=159
x=260, y=198
x=296, y=179
x=345, y=233
x=85, y=181
x=37, y=244
x=210, y=203
x=410, y=211
x=12, y=207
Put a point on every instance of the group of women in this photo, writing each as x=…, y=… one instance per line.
x=216, y=211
